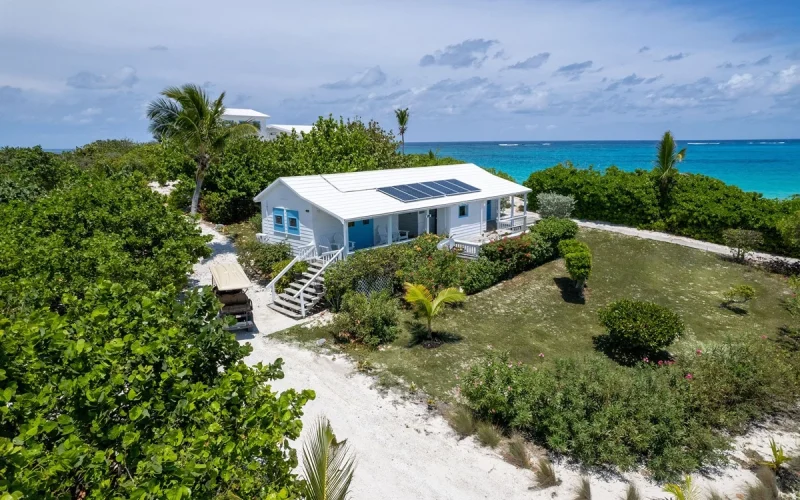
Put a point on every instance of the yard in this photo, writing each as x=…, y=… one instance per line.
x=537, y=317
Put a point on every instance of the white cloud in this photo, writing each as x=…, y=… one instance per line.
x=83, y=117
x=124, y=77
x=738, y=84
x=786, y=80
x=371, y=77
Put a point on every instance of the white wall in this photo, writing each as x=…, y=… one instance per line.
x=282, y=197
x=325, y=227
x=467, y=226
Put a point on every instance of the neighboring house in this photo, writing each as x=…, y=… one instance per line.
x=362, y=210
x=267, y=132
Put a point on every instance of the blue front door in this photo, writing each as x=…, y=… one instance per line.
x=360, y=233
x=489, y=210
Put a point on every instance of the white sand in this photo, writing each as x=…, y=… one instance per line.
x=407, y=452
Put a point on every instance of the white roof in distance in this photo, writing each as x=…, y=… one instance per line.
x=288, y=128
x=250, y=113
x=228, y=276
x=354, y=195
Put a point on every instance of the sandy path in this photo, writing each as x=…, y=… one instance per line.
x=407, y=452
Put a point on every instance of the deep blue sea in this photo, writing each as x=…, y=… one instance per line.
x=771, y=167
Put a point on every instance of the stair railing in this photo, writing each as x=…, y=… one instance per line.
x=327, y=259
x=307, y=252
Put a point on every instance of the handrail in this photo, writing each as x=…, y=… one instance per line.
x=303, y=255
x=468, y=248
x=330, y=259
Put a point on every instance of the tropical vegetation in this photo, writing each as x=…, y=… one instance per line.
x=426, y=306
x=402, y=116
x=328, y=464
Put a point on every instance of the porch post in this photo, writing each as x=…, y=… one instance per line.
x=512, y=211
x=389, y=225
x=525, y=213
x=346, y=240
x=427, y=220
x=484, y=220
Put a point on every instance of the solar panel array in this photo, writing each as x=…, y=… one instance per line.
x=428, y=190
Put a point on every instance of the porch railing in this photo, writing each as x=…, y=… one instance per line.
x=513, y=224
x=327, y=258
x=307, y=252
x=468, y=249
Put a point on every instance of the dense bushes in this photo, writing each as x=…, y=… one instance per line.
x=480, y=274
x=640, y=328
x=668, y=417
x=371, y=320
x=554, y=230
x=256, y=258
x=518, y=254
x=696, y=206
x=555, y=205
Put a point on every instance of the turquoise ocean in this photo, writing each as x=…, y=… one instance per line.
x=771, y=167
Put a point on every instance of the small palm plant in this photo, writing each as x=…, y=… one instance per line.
x=427, y=306
x=684, y=491
x=778, y=456
x=328, y=465
x=667, y=159
x=402, y=116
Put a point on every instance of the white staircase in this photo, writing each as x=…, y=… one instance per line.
x=303, y=295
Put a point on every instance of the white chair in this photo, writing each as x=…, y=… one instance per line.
x=383, y=235
x=337, y=242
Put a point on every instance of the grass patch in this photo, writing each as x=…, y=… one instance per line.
x=517, y=452
x=546, y=474
x=632, y=492
x=528, y=315
x=488, y=434
x=462, y=421
x=584, y=489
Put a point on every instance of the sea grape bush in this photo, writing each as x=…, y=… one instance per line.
x=640, y=327
x=371, y=320
x=555, y=205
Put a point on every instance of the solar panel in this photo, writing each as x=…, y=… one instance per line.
x=427, y=190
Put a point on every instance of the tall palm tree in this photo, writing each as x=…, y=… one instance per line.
x=187, y=115
x=402, y=124
x=665, y=164
x=328, y=465
x=427, y=306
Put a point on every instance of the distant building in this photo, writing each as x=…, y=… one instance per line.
x=267, y=132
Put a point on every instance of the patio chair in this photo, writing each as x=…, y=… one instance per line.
x=336, y=242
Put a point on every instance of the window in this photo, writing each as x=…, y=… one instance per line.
x=278, y=216
x=463, y=211
x=285, y=221
x=366, y=222
x=293, y=220
x=351, y=224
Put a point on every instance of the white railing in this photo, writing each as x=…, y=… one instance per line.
x=515, y=223
x=327, y=258
x=307, y=252
x=468, y=249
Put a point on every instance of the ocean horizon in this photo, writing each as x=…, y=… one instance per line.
x=767, y=166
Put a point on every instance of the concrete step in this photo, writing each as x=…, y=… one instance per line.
x=285, y=308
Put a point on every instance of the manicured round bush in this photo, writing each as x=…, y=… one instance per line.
x=640, y=326
x=572, y=246
x=579, y=266
x=554, y=230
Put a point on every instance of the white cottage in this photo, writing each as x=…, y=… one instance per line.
x=326, y=217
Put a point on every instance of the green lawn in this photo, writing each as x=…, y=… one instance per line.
x=529, y=314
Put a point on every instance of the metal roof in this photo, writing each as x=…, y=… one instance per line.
x=228, y=276
x=355, y=195
x=288, y=128
x=250, y=113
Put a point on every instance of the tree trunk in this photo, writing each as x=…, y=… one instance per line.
x=403, y=140
x=202, y=166
x=430, y=330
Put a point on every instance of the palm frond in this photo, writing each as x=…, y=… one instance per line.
x=328, y=464
x=419, y=296
x=448, y=296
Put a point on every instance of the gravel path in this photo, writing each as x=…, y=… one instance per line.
x=405, y=451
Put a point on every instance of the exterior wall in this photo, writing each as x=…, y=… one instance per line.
x=382, y=223
x=325, y=227
x=472, y=224
x=283, y=197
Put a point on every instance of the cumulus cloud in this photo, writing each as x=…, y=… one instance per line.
x=574, y=71
x=523, y=100
x=450, y=85
x=371, y=77
x=644, y=49
x=738, y=84
x=786, y=80
x=675, y=57
x=468, y=53
x=124, y=77
x=755, y=36
x=159, y=48
x=533, y=62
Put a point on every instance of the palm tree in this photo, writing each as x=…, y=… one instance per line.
x=187, y=115
x=402, y=124
x=666, y=162
x=427, y=306
x=328, y=465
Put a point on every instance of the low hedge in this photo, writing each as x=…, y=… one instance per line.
x=518, y=254
x=555, y=230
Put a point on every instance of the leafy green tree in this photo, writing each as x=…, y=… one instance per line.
x=328, y=464
x=789, y=228
x=130, y=393
x=429, y=307
x=187, y=115
x=402, y=116
x=665, y=164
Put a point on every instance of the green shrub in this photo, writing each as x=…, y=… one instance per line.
x=482, y=273
x=742, y=242
x=640, y=327
x=555, y=230
x=379, y=263
x=518, y=254
x=294, y=273
x=555, y=205
x=572, y=246
x=579, y=267
x=739, y=294
x=371, y=320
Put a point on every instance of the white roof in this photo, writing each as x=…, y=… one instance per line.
x=250, y=113
x=354, y=195
x=228, y=276
x=288, y=128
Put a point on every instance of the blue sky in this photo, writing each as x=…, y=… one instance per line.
x=73, y=72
